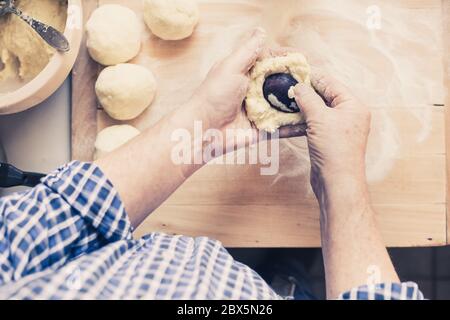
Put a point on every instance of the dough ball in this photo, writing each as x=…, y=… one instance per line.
x=125, y=90
x=259, y=110
x=113, y=34
x=112, y=138
x=171, y=19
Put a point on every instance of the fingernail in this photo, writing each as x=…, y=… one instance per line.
x=300, y=88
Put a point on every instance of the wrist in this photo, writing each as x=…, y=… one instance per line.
x=211, y=113
x=341, y=192
x=339, y=172
x=194, y=111
x=187, y=126
x=192, y=141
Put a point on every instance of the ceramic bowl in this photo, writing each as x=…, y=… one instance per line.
x=54, y=74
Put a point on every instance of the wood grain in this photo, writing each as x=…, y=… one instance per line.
x=254, y=226
x=446, y=37
x=237, y=205
x=84, y=101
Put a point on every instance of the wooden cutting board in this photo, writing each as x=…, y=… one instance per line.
x=393, y=55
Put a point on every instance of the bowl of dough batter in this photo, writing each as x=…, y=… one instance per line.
x=30, y=70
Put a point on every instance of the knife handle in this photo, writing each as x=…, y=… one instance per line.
x=10, y=177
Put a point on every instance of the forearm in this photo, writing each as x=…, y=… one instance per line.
x=354, y=253
x=144, y=172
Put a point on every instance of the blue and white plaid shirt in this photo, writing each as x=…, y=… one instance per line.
x=70, y=238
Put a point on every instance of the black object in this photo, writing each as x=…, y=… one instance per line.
x=10, y=176
x=276, y=89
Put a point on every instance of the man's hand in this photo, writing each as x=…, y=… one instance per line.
x=222, y=94
x=338, y=126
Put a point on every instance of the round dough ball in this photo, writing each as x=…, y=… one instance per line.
x=171, y=19
x=112, y=138
x=259, y=111
x=125, y=90
x=113, y=34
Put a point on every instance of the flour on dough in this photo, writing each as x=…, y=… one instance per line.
x=125, y=90
x=171, y=19
x=113, y=34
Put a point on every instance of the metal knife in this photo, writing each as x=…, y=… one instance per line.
x=50, y=35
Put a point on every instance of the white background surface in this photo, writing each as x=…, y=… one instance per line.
x=39, y=139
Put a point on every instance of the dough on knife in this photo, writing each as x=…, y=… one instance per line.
x=23, y=53
x=112, y=138
x=259, y=110
x=113, y=34
x=171, y=19
x=125, y=90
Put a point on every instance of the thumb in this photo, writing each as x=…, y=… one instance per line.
x=310, y=103
x=243, y=59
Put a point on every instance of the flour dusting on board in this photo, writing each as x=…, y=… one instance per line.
x=368, y=55
x=362, y=43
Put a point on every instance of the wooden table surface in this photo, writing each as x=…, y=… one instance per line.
x=394, y=55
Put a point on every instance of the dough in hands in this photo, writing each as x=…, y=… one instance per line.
x=125, y=90
x=112, y=138
x=259, y=111
x=171, y=19
x=113, y=34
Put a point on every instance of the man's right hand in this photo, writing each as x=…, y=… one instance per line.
x=338, y=126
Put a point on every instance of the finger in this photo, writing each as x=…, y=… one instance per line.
x=293, y=131
x=334, y=92
x=241, y=83
x=244, y=58
x=310, y=103
x=277, y=52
